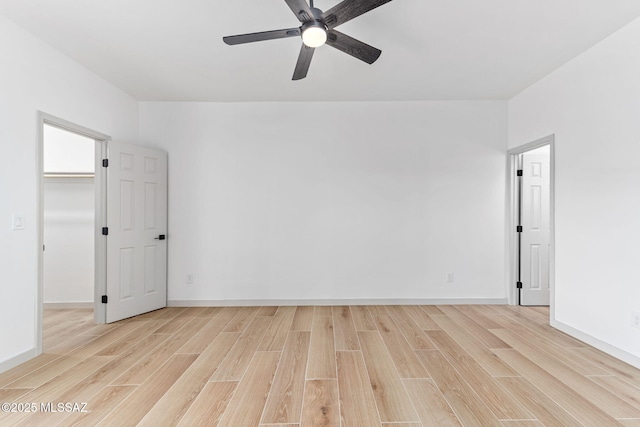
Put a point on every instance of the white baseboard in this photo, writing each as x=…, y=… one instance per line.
x=600, y=345
x=346, y=301
x=17, y=360
x=59, y=305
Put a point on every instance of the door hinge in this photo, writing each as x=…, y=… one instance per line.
x=519, y=172
x=105, y=231
x=105, y=163
x=519, y=285
x=519, y=229
x=105, y=299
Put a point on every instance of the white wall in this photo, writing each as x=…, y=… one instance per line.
x=33, y=77
x=68, y=264
x=318, y=201
x=592, y=105
x=67, y=152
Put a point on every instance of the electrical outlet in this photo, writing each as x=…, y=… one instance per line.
x=635, y=319
x=450, y=277
x=190, y=278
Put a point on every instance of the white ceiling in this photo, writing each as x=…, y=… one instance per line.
x=172, y=50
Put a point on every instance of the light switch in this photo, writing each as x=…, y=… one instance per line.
x=17, y=222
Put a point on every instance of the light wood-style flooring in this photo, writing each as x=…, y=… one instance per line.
x=365, y=366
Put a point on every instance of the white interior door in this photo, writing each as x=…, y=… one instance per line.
x=536, y=227
x=137, y=228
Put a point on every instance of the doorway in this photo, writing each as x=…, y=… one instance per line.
x=58, y=173
x=129, y=227
x=531, y=228
x=69, y=216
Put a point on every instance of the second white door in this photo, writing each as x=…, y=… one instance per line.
x=536, y=227
x=137, y=230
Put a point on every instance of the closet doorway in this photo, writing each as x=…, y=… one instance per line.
x=68, y=219
x=532, y=223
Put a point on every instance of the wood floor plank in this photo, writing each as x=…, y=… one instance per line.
x=610, y=364
x=422, y=319
x=630, y=422
x=176, y=323
x=485, y=310
x=131, y=339
x=320, y=407
x=66, y=380
x=284, y=404
x=269, y=310
x=482, y=334
x=209, y=406
x=539, y=404
x=110, y=338
x=536, y=338
x=67, y=345
x=247, y=403
x=303, y=318
x=431, y=310
x=27, y=368
x=404, y=358
x=322, y=356
x=620, y=388
x=391, y=398
x=202, y=336
x=170, y=408
x=235, y=363
x=57, y=386
x=496, y=398
x=430, y=404
x=149, y=364
x=378, y=310
x=521, y=314
x=357, y=404
x=344, y=329
x=205, y=311
x=471, y=411
x=322, y=310
x=99, y=407
x=275, y=336
x=476, y=348
x=593, y=392
x=415, y=336
x=92, y=385
x=10, y=394
x=569, y=399
x=60, y=364
x=362, y=318
x=521, y=423
x=242, y=319
x=145, y=396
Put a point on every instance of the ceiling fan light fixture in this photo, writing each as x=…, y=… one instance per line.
x=314, y=35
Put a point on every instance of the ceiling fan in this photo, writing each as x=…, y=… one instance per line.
x=317, y=29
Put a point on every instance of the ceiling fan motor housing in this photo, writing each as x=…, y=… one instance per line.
x=314, y=31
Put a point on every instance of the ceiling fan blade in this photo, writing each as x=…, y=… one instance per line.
x=264, y=35
x=304, y=60
x=301, y=9
x=349, y=9
x=353, y=47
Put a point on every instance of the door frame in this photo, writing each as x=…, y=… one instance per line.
x=100, y=215
x=512, y=222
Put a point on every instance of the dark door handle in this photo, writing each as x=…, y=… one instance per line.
x=160, y=237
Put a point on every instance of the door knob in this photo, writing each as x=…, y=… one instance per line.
x=160, y=237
